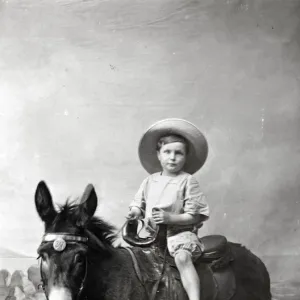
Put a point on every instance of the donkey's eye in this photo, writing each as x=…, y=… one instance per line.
x=43, y=256
x=79, y=258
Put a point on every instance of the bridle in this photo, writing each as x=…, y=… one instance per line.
x=59, y=241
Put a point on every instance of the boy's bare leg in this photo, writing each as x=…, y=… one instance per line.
x=189, y=277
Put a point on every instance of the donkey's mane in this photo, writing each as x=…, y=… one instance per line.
x=102, y=229
x=70, y=213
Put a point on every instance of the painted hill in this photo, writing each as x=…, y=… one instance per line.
x=7, y=253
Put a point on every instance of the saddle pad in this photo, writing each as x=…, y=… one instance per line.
x=226, y=283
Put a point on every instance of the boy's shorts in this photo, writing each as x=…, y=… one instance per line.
x=185, y=241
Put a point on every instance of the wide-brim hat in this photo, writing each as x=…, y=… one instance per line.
x=198, y=147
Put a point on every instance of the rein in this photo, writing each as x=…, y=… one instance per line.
x=136, y=240
x=60, y=241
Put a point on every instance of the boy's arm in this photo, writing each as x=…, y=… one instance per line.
x=195, y=210
x=195, y=202
x=185, y=219
x=161, y=217
x=139, y=202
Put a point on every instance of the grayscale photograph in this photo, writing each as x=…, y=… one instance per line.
x=149, y=150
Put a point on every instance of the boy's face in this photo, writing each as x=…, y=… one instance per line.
x=172, y=157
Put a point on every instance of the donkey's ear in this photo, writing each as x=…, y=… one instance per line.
x=44, y=204
x=88, y=205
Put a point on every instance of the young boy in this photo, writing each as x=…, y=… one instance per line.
x=171, y=150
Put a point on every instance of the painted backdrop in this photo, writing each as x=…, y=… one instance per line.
x=81, y=80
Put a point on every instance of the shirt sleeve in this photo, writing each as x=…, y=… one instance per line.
x=139, y=198
x=195, y=201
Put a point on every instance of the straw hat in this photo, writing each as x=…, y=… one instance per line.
x=198, y=147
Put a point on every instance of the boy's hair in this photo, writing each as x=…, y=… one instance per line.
x=172, y=138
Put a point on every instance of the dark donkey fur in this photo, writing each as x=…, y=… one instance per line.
x=110, y=271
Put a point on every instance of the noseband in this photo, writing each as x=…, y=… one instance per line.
x=60, y=241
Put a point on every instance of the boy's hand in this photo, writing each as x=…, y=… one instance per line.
x=134, y=213
x=160, y=217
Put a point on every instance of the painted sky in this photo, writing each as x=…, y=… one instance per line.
x=81, y=80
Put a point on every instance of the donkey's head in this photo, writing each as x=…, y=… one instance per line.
x=70, y=233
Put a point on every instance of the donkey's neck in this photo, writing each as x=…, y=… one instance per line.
x=113, y=277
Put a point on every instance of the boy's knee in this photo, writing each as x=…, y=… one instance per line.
x=183, y=258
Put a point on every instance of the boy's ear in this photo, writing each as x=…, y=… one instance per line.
x=158, y=154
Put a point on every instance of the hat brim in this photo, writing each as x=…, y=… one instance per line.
x=198, y=147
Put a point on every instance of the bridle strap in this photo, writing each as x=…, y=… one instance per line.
x=50, y=237
x=63, y=239
x=81, y=289
x=42, y=284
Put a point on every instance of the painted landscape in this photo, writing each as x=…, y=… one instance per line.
x=20, y=279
